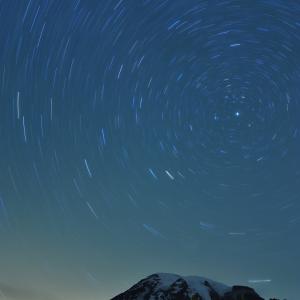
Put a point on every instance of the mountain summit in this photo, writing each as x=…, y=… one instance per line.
x=164, y=286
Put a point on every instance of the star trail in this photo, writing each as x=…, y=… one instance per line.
x=148, y=136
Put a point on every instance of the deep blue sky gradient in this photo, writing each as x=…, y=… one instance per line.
x=149, y=136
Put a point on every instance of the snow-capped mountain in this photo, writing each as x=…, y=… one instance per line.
x=164, y=286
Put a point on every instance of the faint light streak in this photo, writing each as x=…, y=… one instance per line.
x=237, y=233
x=259, y=280
x=153, y=231
x=103, y=136
x=88, y=168
x=41, y=125
x=25, y=14
x=77, y=187
x=207, y=226
x=234, y=45
x=92, y=209
x=18, y=105
x=51, y=108
x=24, y=130
x=169, y=174
x=152, y=173
x=41, y=34
x=120, y=71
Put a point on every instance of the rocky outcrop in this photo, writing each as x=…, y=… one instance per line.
x=241, y=293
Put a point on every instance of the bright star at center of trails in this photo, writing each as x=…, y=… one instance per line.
x=237, y=114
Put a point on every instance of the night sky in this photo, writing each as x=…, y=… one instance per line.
x=143, y=136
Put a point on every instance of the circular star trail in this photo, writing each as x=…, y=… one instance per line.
x=138, y=126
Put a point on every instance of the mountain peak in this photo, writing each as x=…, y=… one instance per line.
x=166, y=286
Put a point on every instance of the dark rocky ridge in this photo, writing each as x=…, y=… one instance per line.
x=163, y=286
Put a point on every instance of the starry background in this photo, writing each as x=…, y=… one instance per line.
x=142, y=136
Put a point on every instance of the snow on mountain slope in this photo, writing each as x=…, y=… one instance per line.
x=165, y=286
